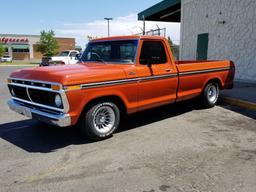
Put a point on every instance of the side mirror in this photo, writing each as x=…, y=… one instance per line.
x=149, y=63
x=78, y=56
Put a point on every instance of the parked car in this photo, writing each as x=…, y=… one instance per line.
x=64, y=58
x=6, y=58
x=117, y=75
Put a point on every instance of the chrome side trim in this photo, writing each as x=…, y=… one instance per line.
x=158, y=77
x=106, y=83
x=124, y=81
x=141, y=79
x=61, y=120
x=204, y=71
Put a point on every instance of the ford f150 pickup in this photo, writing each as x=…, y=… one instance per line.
x=115, y=75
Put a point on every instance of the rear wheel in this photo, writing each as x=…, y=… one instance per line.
x=210, y=94
x=100, y=120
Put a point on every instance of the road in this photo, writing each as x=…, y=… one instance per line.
x=176, y=148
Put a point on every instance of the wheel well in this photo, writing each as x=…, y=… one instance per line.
x=215, y=80
x=115, y=99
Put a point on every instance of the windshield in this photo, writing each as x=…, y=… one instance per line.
x=64, y=53
x=122, y=51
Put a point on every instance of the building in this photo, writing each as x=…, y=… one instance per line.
x=219, y=29
x=23, y=47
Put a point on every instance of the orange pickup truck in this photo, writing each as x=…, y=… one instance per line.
x=115, y=75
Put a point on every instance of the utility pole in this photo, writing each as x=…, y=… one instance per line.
x=144, y=26
x=108, y=19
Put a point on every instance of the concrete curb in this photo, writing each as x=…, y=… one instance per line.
x=239, y=103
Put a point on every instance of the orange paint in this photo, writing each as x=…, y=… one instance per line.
x=141, y=93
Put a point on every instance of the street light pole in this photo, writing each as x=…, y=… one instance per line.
x=144, y=26
x=108, y=19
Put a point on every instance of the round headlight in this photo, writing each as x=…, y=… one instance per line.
x=57, y=100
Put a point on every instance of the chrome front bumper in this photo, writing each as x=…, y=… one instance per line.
x=61, y=120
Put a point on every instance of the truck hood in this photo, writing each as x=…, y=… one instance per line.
x=72, y=74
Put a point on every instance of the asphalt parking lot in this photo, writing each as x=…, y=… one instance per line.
x=174, y=148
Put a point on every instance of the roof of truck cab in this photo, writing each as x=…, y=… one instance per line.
x=127, y=37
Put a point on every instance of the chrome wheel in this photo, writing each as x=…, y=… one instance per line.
x=104, y=119
x=212, y=94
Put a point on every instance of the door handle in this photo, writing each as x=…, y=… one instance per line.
x=168, y=70
x=131, y=73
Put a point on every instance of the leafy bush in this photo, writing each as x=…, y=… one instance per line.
x=2, y=51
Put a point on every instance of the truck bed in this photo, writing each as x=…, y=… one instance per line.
x=179, y=62
x=194, y=74
x=185, y=66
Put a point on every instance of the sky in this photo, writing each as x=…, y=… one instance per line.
x=78, y=18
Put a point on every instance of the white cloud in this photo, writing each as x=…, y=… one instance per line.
x=126, y=25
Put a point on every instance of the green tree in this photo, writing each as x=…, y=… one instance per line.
x=2, y=51
x=48, y=45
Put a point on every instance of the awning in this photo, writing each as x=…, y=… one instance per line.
x=23, y=46
x=167, y=10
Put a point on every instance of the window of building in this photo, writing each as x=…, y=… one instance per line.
x=20, y=50
x=152, y=52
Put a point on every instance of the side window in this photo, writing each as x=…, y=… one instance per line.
x=73, y=54
x=152, y=52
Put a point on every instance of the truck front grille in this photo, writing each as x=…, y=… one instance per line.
x=33, y=95
x=42, y=97
x=19, y=92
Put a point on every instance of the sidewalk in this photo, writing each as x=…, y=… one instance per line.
x=242, y=95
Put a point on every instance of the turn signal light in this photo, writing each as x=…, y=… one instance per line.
x=9, y=81
x=72, y=87
x=55, y=87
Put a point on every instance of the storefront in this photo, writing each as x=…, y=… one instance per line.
x=24, y=47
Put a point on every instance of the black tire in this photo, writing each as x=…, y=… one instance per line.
x=210, y=95
x=98, y=115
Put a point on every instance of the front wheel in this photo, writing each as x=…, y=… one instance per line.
x=210, y=94
x=100, y=120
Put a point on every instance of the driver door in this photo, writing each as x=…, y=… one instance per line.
x=158, y=77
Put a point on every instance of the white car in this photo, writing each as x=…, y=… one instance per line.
x=6, y=58
x=64, y=58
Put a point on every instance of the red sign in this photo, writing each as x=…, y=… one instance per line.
x=13, y=40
